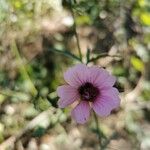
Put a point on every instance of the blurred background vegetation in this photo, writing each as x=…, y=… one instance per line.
x=37, y=44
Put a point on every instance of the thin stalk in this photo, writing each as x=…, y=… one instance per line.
x=102, y=55
x=99, y=132
x=75, y=31
x=66, y=53
x=22, y=68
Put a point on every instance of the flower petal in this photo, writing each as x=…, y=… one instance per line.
x=81, y=112
x=101, y=107
x=108, y=101
x=112, y=94
x=67, y=94
x=109, y=81
x=76, y=75
x=93, y=73
x=100, y=77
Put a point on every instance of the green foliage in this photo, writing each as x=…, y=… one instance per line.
x=39, y=131
x=119, y=71
x=137, y=63
x=143, y=12
x=145, y=18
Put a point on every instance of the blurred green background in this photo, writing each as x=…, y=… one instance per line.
x=37, y=40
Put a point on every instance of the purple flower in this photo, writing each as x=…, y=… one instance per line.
x=92, y=87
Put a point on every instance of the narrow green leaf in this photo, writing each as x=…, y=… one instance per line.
x=87, y=55
x=137, y=63
x=102, y=55
x=66, y=53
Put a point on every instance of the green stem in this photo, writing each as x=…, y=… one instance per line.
x=22, y=68
x=102, y=55
x=99, y=132
x=66, y=53
x=75, y=31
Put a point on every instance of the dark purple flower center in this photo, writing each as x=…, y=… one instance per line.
x=88, y=92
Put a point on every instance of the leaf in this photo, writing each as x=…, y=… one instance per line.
x=141, y=3
x=137, y=63
x=98, y=57
x=39, y=131
x=66, y=53
x=103, y=55
x=41, y=104
x=23, y=69
x=83, y=19
x=87, y=55
x=145, y=18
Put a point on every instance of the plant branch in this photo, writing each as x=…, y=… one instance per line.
x=22, y=67
x=75, y=31
x=99, y=132
x=66, y=53
x=102, y=55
